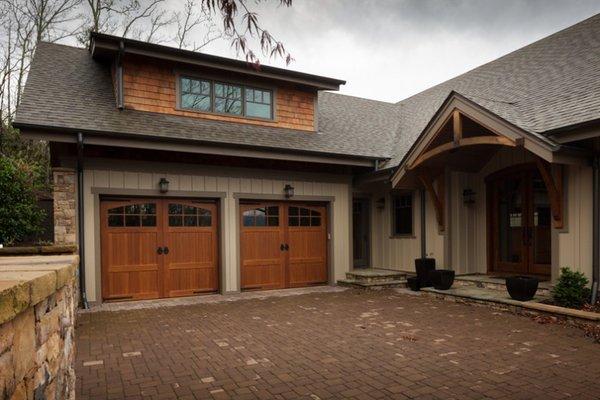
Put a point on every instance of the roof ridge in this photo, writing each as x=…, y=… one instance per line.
x=45, y=42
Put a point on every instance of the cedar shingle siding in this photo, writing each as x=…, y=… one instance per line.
x=150, y=87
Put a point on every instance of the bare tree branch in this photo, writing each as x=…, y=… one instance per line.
x=240, y=23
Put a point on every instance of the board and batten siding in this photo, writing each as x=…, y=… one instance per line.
x=464, y=243
x=131, y=176
x=399, y=253
x=572, y=245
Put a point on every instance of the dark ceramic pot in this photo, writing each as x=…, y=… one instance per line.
x=442, y=279
x=413, y=283
x=521, y=288
x=424, y=266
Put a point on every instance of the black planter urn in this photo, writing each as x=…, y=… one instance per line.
x=424, y=266
x=442, y=279
x=521, y=288
x=413, y=283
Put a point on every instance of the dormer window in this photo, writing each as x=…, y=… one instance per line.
x=228, y=99
x=196, y=94
x=225, y=98
x=258, y=103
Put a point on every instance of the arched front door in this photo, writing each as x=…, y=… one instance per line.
x=519, y=222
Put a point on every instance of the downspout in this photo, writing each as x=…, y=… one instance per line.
x=80, y=219
x=596, y=228
x=119, y=77
x=423, y=225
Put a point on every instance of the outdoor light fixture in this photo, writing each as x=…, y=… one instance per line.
x=288, y=190
x=163, y=185
x=468, y=197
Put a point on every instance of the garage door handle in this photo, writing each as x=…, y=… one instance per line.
x=287, y=247
x=159, y=251
x=282, y=247
x=166, y=250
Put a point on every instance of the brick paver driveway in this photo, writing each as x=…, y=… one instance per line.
x=332, y=345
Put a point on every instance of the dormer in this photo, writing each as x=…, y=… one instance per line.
x=160, y=79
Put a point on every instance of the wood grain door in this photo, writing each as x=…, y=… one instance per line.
x=306, y=245
x=262, y=253
x=190, y=252
x=131, y=233
x=153, y=248
x=519, y=230
x=282, y=245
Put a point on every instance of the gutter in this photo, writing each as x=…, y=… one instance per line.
x=596, y=229
x=80, y=219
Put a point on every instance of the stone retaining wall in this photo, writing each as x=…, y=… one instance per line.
x=38, y=301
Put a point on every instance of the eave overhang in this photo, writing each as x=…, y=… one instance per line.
x=506, y=134
x=103, y=46
x=67, y=135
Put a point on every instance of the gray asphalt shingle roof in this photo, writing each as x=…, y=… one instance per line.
x=66, y=88
x=549, y=84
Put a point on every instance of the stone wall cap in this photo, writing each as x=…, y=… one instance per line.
x=25, y=281
x=63, y=169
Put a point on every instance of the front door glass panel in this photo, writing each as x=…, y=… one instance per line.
x=540, y=236
x=510, y=220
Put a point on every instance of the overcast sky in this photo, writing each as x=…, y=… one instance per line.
x=390, y=49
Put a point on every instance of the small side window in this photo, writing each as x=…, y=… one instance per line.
x=402, y=218
x=195, y=94
x=228, y=98
x=258, y=103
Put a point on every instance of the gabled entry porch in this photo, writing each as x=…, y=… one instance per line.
x=499, y=194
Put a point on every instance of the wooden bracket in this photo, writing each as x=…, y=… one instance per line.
x=554, y=186
x=436, y=197
x=457, y=127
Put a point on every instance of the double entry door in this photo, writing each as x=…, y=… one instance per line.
x=155, y=248
x=282, y=245
x=520, y=229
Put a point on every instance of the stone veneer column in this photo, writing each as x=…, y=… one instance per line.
x=65, y=215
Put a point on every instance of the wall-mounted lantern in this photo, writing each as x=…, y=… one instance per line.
x=163, y=185
x=380, y=203
x=468, y=197
x=288, y=190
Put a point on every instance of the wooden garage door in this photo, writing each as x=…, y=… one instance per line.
x=282, y=245
x=158, y=248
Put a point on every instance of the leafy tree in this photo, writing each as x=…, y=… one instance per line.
x=571, y=289
x=19, y=212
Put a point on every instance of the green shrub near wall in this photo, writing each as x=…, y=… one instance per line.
x=20, y=215
x=571, y=289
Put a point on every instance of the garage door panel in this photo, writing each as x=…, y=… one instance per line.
x=132, y=249
x=191, y=237
x=307, y=273
x=307, y=245
x=134, y=285
x=190, y=281
x=261, y=237
x=290, y=254
x=135, y=233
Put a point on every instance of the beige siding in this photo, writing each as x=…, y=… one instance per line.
x=468, y=224
x=465, y=242
x=575, y=241
x=399, y=252
x=130, y=176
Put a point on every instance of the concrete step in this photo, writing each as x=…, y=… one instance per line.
x=494, y=283
x=368, y=275
x=373, y=285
